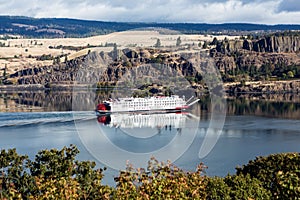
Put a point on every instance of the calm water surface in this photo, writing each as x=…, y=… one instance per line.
x=253, y=127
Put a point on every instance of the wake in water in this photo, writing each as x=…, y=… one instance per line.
x=34, y=118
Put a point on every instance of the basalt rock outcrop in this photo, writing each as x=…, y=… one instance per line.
x=62, y=73
x=278, y=44
x=132, y=67
x=119, y=67
x=269, y=44
x=244, y=60
x=274, y=51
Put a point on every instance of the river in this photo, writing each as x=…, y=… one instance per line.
x=255, y=125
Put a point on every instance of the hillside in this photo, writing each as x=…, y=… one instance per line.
x=140, y=66
x=61, y=27
x=61, y=62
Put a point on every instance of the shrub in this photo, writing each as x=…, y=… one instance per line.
x=161, y=181
x=236, y=187
x=245, y=187
x=217, y=189
x=279, y=173
x=55, y=174
x=15, y=181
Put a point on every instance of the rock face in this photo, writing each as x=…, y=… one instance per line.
x=277, y=44
x=247, y=59
x=269, y=44
x=139, y=66
x=128, y=65
x=272, y=50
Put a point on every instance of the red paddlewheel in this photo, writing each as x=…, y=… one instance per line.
x=101, y=106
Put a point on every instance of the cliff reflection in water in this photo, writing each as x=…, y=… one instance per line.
x=28, y=101
x=275, y=105
x=271, y=105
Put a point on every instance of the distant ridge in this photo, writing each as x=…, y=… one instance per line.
x=65, y=27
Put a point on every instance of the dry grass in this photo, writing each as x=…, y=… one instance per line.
x=16, y=56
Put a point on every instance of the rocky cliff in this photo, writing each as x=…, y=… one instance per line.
x=125, y=67
x=270, y=44
x=238, y=60
x=244, y=60
x=279, y=44
x=258, y=59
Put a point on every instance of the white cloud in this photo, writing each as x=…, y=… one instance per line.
x=219, y=11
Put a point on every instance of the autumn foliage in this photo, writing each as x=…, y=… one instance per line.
x=56, y=174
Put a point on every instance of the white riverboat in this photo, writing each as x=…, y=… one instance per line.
x=153, y=104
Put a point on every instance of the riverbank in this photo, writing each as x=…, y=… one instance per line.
x=264, y=87
x=259, y=87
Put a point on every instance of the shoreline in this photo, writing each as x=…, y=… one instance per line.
x=249, y=87
x=263, y=87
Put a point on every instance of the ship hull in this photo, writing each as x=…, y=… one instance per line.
x=152, y=111
x=150, y=104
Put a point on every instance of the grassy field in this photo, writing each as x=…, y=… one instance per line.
x=21, y=53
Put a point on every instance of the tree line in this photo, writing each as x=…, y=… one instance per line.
x=56, y=174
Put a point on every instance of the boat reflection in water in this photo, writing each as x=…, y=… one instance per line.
x=175, y=120
x=116, y=138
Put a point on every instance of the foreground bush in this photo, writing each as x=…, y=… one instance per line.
x=55, y=174
x=160, y=181
x=236, y=187
x=279, y=173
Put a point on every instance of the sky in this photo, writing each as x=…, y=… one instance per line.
x=196, y=11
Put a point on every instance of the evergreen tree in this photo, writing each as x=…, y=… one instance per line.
x=204, y=45
x=178, y=41
x=157, y=44
x=116, y=54
x=215, y=41
x=5, y=71
x=66, y=58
